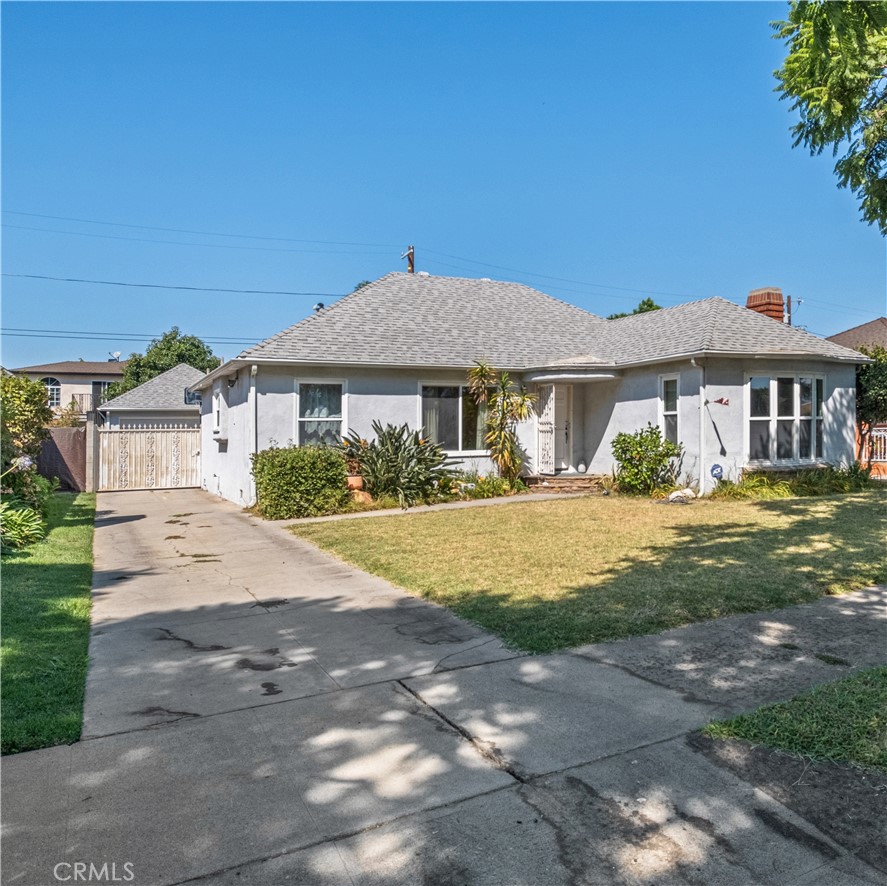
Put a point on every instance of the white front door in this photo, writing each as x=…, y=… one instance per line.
x=563, y=413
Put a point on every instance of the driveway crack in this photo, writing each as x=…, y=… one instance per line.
x=462, y=651
x=487, y=750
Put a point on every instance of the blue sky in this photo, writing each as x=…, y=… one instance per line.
x=600, y=152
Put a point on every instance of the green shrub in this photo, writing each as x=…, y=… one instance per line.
x=19, y=525
x=401, y=464
x=752, y=486
x=31, y=489
x=646, y=461
x=300, y=481
x=826, y=480
x=24, y=414
x=473, y=485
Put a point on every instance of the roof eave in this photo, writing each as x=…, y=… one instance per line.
x=110, y=407
x=743, y=355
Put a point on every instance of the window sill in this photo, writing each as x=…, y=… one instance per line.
x=467, y=453
x=786, y=465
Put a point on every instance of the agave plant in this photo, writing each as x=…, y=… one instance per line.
x=400, y=463
x=505, y=404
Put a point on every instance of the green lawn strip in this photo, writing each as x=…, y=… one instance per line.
x=45, y=618
x=844, y=721
x=555, y=574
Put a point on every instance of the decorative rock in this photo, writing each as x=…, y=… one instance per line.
x=682, y=496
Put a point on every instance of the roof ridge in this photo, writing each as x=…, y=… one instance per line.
x=317, y=314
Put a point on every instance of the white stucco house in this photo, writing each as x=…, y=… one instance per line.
x=737, y=388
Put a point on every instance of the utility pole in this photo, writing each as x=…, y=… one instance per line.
x=788, y=310
x=410, y=256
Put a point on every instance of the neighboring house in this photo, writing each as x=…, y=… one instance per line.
x=865, y=336
x=737, y=388
x=160, y=402
x=82, y=381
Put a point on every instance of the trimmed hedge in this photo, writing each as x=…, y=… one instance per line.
x=300, y=481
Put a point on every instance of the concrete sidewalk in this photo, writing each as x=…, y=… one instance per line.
x=258, y=712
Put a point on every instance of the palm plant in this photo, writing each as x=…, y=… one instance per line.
x=505, y=404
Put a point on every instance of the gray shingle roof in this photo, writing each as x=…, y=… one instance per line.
x=712, y=325
x=417, y=320
x=872, y=333
x=163, y=392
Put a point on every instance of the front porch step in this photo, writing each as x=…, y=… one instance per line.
x=578, y=483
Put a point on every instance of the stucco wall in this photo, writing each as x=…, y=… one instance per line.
x=386, y=395
x=73, y=386
x=629, y=403
x=632, y=401
x=601, y=409
x=225, y=461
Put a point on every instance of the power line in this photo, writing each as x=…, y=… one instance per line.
x=561, y=279
x=201, y=245
x=123, y=334
x=90, y=221
x=121, y=338
x=589, y=284
x=164, y=286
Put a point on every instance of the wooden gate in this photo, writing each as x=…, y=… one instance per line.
x=148, y=458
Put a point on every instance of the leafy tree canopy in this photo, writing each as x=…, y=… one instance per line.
x=25, y=414
x=163, y=353
x=361, y=285
x=834, y=75
x=871, y=391
x=643, y=307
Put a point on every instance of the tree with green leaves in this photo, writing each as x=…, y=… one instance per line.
x=644, y=306
x=164, y=353
x=24, y=415
x=871, y=397
x=835, y=75
x=504, y=404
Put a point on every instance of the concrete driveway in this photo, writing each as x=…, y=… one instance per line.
x=258, y=712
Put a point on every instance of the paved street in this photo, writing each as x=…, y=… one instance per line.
x=258, y=712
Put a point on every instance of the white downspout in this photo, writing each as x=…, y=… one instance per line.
x=253, y=372
x=702, y=478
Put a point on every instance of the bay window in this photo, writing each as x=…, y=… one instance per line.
x=785, y=418
x=452, y=419
x=319, y=416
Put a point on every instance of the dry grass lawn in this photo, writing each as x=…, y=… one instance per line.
x=554, y=574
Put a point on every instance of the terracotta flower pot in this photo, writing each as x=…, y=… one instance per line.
x=355, y=481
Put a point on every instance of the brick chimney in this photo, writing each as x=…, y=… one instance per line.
x=767, y=301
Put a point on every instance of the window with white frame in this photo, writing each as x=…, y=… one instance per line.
x=53, y=391
x=668, y=405
x=785, y=418
x=319, y=417
x=452, y=419
x=220, y=411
